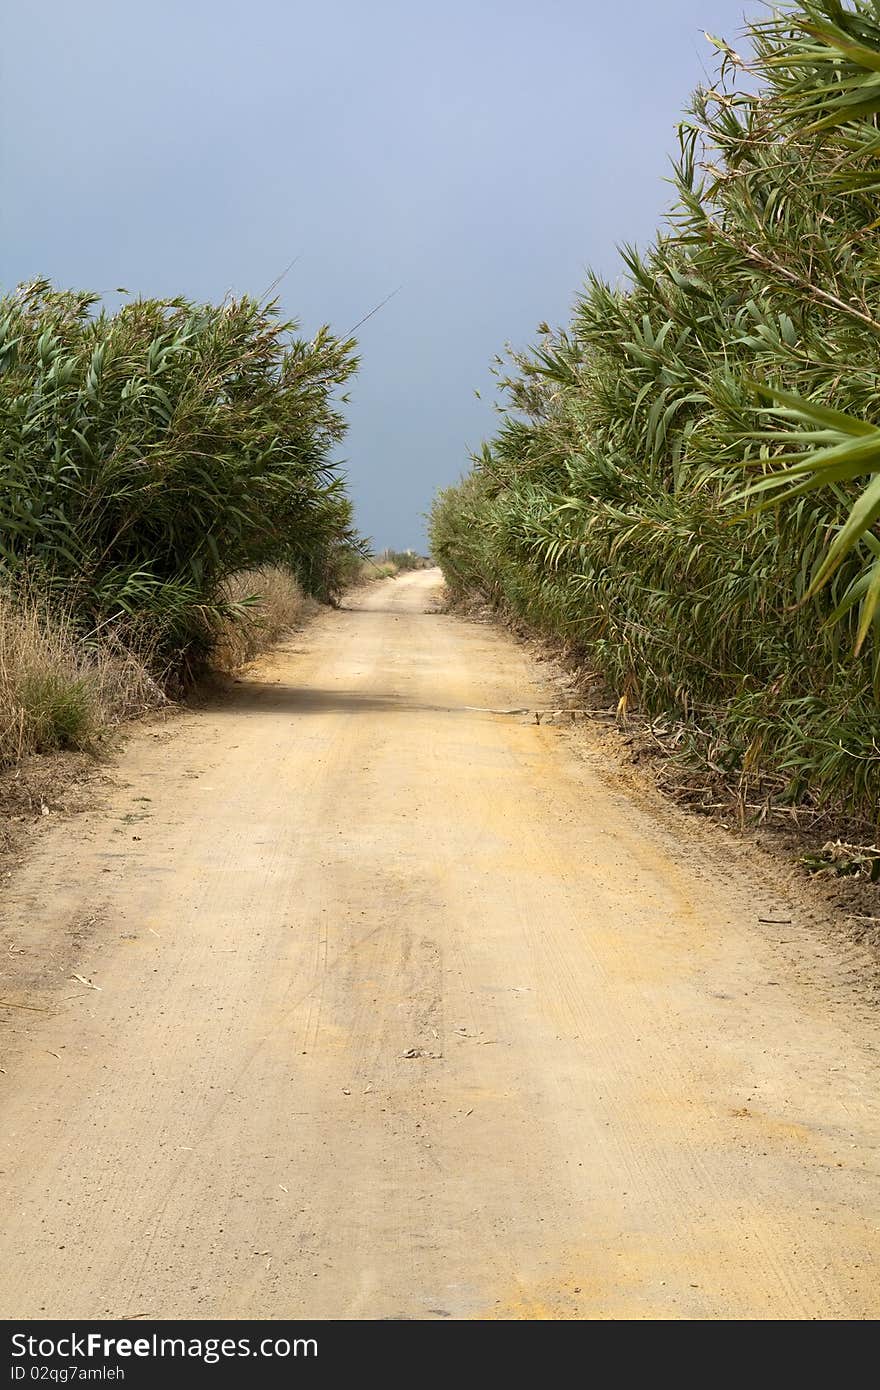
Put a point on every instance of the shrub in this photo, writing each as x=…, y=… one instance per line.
x=147, y=455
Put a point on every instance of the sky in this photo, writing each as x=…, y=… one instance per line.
x=470, y=157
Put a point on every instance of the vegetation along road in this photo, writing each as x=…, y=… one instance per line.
x=356, y=999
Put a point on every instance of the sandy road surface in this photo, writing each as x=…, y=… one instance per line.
x=405, y=1011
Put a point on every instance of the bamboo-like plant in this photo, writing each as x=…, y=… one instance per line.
x=147, y=455
x=602, y=511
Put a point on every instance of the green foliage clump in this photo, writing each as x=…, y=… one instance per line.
x=58, y=710
x=149, y=454
x=623, y=504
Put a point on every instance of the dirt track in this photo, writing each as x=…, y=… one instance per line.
x=405, y=1011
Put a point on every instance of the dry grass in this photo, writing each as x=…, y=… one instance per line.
x=370, y=569
x=378, y=569
x=59, y=690
x=364, y=569
x=281, y=606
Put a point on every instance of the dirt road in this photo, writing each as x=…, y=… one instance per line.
x=400, y=1009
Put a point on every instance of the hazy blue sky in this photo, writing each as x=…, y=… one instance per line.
x=478, y=154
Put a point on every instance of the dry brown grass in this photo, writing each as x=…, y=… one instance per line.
x=369, y=569
x=59, y=690
x=378, y=569
x=282, y=606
